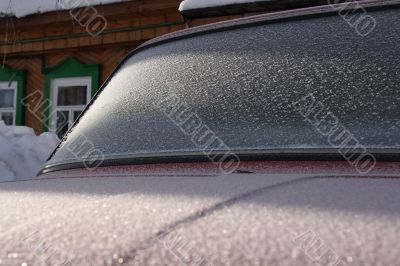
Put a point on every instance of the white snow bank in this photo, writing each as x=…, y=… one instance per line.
x=195, y=4
x=22, y=153
x=22, y=8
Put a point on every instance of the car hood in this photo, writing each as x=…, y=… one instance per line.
x=237, y=219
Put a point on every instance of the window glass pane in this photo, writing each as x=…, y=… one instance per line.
x=8, y=118
x=62, y=123
x=72, y=95
x=76, y=114
x=6, y=98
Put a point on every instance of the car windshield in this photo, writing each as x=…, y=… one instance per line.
x=289, y=85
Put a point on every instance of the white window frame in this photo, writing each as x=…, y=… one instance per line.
x=65, y=82
x=7, y=86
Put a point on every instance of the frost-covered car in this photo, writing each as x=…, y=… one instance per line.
x=269, y=140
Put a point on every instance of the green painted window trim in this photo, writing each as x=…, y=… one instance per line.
x=69, y=68
x=9, y=75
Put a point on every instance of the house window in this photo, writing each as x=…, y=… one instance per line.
x=8, y=98
x=69, y=98
x=69, y=86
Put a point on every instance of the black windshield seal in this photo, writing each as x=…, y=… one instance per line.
x=297, y=154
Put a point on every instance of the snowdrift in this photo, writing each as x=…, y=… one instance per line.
x=22, y=153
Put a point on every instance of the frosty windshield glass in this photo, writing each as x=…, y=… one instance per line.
x=304, y=84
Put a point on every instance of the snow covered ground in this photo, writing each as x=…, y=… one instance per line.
x=22, y=8
x=22, y=153
x=194, y=4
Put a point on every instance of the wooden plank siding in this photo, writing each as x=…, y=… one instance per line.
x=68, y=34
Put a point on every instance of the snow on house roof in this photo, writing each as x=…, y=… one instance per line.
x=22, y=8
x=198, y=4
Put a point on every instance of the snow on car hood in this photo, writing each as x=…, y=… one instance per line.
x=238, y=219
